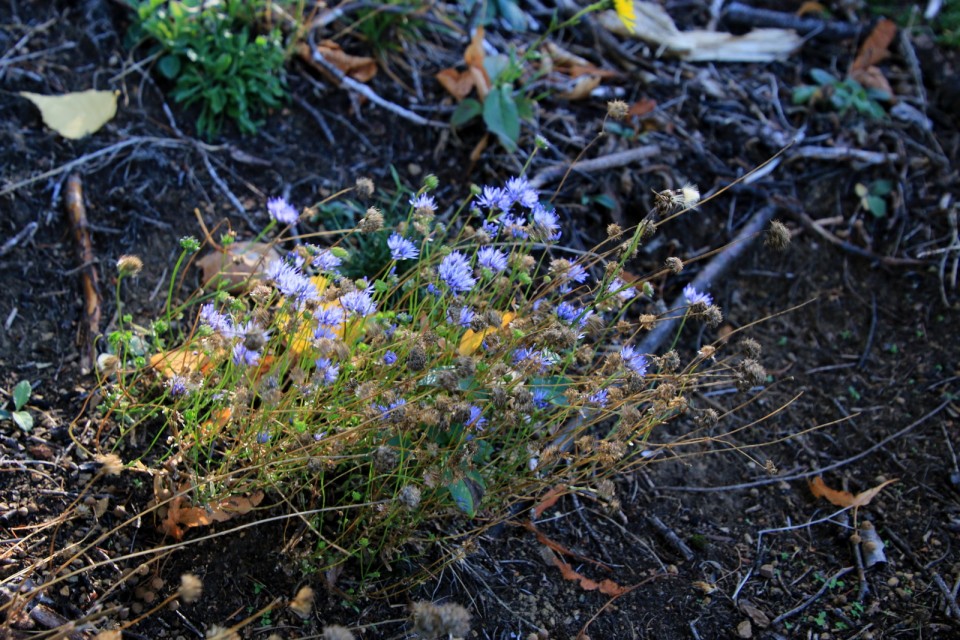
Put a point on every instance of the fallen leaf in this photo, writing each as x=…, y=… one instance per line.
x=549, y=500
x=844, y=498
x=75, y=115
x=581, y=88
x=873, y=78
x=472, y=340
x=239, y=264
x=180, y=362
x=606, y=587
x=360, y=68
x=876, y=47
x=179, y=517
x=459, y=84
x=642, y=107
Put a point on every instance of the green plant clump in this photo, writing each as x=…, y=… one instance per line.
x=841, y=95
x=398, y=414
x=213, y=53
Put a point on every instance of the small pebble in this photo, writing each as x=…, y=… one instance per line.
x=766, y=571
x=745, y=629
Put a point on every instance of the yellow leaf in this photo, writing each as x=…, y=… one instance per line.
x=472, y=340
x=75, y=115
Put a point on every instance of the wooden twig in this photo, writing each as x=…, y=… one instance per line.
x=745, y=15
x=711, y=273
x=22, y=236
x=90, y=323
x=671, y=537
x=837, y=154
x=603, y=163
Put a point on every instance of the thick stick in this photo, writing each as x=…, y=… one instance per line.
x=90, y=323
x=741, y=14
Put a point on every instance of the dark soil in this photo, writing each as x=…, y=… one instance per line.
x=858, y=337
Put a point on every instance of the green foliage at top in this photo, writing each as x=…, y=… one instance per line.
x=946, y=25
x=217, y=59
x=841, y=95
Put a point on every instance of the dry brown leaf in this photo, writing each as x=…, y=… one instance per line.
x=844, y=498
x=642, y=107
x=581, y=88
x=549, y=500
x=360, y=68
x=221, y=511
x=876, y=47
x=563, y=58
x=607, y=586
x=473, y=55
x=459, y=84
x=180, y=362
x=872, y=78
x=811, y=7
x=239, y=263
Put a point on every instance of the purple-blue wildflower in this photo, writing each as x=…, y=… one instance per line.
x=217, y=321
x=541, y=398
x=244, y=356
x=424, y=203
x=392, y=412
x=359, y=302
x=329, y=317
x=178, y=386
x=519, y=190
x=456, y=273
x=389, y=358
x=464, y=316
x=328, y=370
x=493, y=198
x=281, y=211
x=401, y=248
x=493, y=259
x=476, y=419
x=599, y=398
x=326, y=260
x=546, y=224
x=514, y=225
x=263, y=437
x=633, y=360
x=695, y=297
x=622, y=291
x=291, y=282
x=491, y=228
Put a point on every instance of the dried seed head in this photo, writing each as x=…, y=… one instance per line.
x=108, y=364
x=689, y=195
x=432, y=621
x=417, y=358
x=365, y=187
x=675, y=264
x=614, y=231
x=372, y=221
x=384, y=459
x=750, y=348
x=302, y=603
x=713, y=316
x=409, y=496
x=669, y=362
x=191, y=588
x=778, y=236
x=750, y=373
x=112, y=464
x=336, y=632
x=617, y=109
x=129, y=266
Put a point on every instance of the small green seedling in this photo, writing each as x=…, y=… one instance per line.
x=841, y=95
x=873, y=196
x=21, y=395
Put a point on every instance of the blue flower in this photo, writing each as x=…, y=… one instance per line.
x=599, y=398
x=329, y=317
x=546, y=225
x=541, y=398
x=424, y=203
x=326, y=260
x=634, y=361
x=570, y=313
x=389, y=358
x=514, y=225
x=327, y=370
x=695, y=297
x=178, y=386
x=493, y=198
x=464, y=316
x=622, y=291
x=263, y=437
x=244, y=356
x=291, y=282
x=359, y=302
x=576, y=273
x=281, y=211
x=537, y=358
x=491, y=228
x=519, y=190
x=455, y=271
x=217, y=321
x=401, y=248
x=476, y=419
x=392, y=412
x=493, y=259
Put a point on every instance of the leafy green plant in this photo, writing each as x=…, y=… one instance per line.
x=841, y=95
x=21, y=396
x=873, y=196
x=216, y=58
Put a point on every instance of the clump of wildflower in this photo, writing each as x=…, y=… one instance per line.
x=633, y=360
x=191, y=588
x=389, y=358
x=475, y=419
x=493, y=198
x=599, y=397
x=177, y=385
x=432, y=621
x=492, y=258
x=456, y=273
x=129, y=266
x=291, y=282
x=359, y=302
x=618, y=109
x=326, y=260
x=401, y=248
x=620, y=288
x=281, y=211
x=694, y=297
x=518, y=190
x=372, y=221
x=327, y=370
x=546, y=225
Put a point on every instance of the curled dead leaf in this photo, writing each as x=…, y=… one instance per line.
x=360, y=68
x=844, y=498
x=239, y=264
x=581, y=88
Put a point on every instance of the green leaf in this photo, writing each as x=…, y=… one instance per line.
x=23, y=419
x=877, y=206
x=502, y=117
x=881, y=187
x=803, y=95
x=465, y=112
x=468, y=492
x=223, y=63
x=513, y=14
x=821, y=77
x=21, y=394
x=169, y=66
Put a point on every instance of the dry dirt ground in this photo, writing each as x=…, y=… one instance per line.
x=859, y=341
